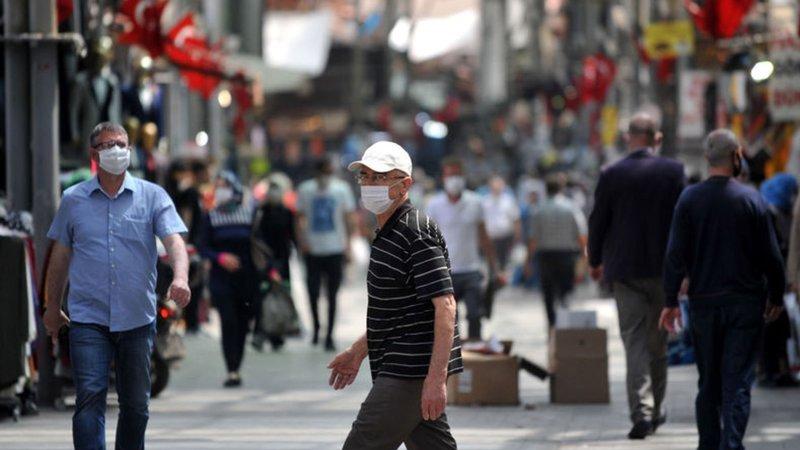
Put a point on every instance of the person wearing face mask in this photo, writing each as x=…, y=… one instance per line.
x=104, y=243
x=272, y=241
x=325, y=222
x=412, y=335
x=722, y=238
x=459, y=213
x=224, y=240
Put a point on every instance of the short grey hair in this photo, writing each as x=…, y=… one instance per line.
x=719, y=146
x=106, y=127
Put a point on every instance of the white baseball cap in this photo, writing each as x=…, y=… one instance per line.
x=384, y=156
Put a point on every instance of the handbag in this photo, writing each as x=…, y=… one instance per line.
x=278, y=315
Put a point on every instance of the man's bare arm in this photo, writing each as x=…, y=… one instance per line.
x=434, y=389
x=57, y=270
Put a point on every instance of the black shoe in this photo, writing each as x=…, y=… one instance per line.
x=315, y=337
x=233, y=381
x=661, y=420
x=641, y=430
x=329, y=347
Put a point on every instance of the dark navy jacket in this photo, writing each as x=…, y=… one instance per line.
x=722, y=237
x=629, y=224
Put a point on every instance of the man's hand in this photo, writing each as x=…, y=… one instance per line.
x=344, y=368
x=54, y=318
x=772, y=312
x=668, y=318
x=229, y=262
x=434, y=397
x=596, y=273
x=180, y=292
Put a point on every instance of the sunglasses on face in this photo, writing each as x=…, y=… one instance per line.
x=109, y=144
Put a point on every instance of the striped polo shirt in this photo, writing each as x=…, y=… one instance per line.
x=408, y=267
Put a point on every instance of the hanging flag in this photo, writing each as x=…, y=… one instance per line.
x=141, y=22
x=719, y=19
x=188, y=49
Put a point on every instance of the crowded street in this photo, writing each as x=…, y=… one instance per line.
x=400, y=224
x=286, y=403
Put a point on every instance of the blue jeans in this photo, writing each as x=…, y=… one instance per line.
x=726, y=340
x=92, y=348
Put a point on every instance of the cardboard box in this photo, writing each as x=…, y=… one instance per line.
x=566, y=318
x=486, y=380
x=579, y=366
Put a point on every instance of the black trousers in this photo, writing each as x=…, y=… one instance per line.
x=726, y=340
x=235, y=307
x=331, y=269
x=558, y=279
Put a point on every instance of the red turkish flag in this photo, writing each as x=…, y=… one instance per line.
x=187, y=48
x=719, y=19
x=141, y=21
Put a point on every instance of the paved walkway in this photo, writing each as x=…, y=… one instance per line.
x=285, y=403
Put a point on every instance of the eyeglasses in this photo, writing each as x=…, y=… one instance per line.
x=377, y=178
x=109, y=144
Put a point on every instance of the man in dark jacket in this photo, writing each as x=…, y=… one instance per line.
x=628, y=231
x=722, y=238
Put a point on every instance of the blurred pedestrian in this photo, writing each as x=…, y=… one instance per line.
x=412, y=336
x=273, y=238
x=325, y=223
x=723, y=240
x=224, y=240
x=501, y=214
x=780, y=192
x=104, y=237
x=459, y=213
x=557, y=237
x=628, y=231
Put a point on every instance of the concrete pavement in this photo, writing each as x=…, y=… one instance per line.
x=285, y=403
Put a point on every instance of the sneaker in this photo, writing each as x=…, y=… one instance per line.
x=329, y=347
x=234, y=380
x=661, y=420
x=641, y=430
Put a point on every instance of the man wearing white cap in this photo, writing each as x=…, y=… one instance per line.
x=412, y=335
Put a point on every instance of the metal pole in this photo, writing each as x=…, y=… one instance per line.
x=18, y=155
x=45, y=157
x=214, y=10
x=358, y=69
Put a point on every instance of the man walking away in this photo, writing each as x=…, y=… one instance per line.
x=628, y=230
x=412, y=336
x=723, y=240
x=558, y=233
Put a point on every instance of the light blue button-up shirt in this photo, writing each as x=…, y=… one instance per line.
x=112, y=273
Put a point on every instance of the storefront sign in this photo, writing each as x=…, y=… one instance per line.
x=669, y=39
x=692, y=89
x=784, y=86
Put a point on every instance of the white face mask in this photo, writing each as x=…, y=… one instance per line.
x=115, y=160
x=223, y=195
x=376, y=198
x=454, y=185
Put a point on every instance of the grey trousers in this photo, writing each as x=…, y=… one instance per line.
x=391, y=415
x=639, y=304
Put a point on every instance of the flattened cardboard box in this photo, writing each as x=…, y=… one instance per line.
x=579, y=366
x=486, y=380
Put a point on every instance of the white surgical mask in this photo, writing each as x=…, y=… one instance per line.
x=376, y=198
x=115, y=160
x=223, y=195
x=454, y=185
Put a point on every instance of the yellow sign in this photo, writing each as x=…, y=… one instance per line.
x=669, y=39
x=609, y=119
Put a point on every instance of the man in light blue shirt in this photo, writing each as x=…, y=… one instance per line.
x=105, y=241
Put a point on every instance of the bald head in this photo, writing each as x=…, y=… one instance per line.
x=719, y=147
x=643, y=131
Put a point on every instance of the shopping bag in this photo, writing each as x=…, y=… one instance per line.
x=278, y=314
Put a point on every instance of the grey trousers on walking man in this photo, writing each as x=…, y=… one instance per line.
x=639, y=304
x=392, y=415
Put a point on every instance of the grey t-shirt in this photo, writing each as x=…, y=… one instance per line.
x=325, y=211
